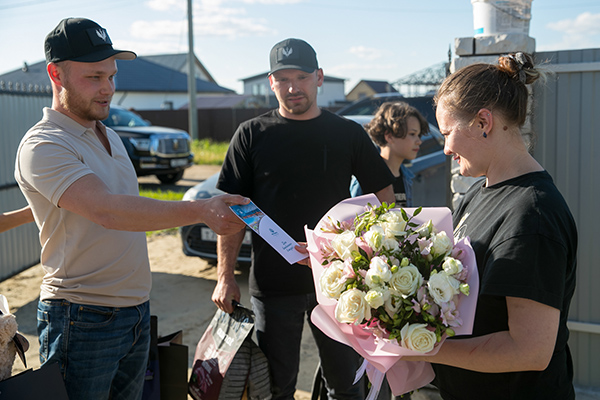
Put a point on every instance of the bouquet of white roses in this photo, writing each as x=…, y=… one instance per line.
x=391, y=282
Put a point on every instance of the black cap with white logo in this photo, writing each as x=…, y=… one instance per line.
x=293, y=54
x=83, y=40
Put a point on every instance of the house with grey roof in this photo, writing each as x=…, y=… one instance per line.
x=146, y=83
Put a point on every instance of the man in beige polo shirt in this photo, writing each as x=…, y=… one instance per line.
x=93, y=314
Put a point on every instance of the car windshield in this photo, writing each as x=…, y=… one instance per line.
x=120, y=117
x=369, y=106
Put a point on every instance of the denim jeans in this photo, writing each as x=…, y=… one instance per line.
x=102, y=351
x=279, y=323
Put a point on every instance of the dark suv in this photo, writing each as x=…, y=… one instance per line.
x=153, y=150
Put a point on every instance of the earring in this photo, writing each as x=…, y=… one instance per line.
x=484, y=134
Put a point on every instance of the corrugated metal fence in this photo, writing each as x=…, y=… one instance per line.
x=19, y=110
x=567, y=123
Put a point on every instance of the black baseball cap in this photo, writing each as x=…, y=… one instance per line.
x=83, y=40
x=293, y=54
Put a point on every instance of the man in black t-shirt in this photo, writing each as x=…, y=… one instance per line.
x=295, y=163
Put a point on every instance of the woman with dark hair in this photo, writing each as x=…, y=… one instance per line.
x=524, y=237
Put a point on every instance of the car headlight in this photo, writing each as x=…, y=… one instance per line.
x=141, y=144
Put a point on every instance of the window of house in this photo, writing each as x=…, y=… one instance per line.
x=259, y=89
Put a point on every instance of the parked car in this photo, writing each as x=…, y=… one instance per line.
x=153, y=150
x=369, y=105
x=429, y=189
x=199, y=240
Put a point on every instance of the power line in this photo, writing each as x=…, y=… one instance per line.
x=21, y=4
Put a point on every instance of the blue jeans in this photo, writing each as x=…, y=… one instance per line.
x=279, y=323
x=102, y=351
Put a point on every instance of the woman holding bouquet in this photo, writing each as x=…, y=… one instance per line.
x=524, y=238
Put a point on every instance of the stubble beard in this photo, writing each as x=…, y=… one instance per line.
x=298, y=108
x=82, y=108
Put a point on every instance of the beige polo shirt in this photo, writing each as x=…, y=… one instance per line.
x=84, y=262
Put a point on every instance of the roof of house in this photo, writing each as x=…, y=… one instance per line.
x=139, y=75
x=380, y=86
x=178, y=62
x=28, y=76
x=266, y=74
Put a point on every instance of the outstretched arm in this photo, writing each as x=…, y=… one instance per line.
x=91, y=198
x=12, y=219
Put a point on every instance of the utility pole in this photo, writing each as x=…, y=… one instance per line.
x=192, y=109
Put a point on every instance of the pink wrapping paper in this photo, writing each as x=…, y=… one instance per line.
x=384, y=356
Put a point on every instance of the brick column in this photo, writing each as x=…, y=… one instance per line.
x=487, y=49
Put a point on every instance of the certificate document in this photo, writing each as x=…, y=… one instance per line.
x=260, y=223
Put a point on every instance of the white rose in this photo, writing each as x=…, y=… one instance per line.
x=417, y=337
x=374, y=237
x=392, y=305
x=390, y=244
x=442, y=287
x=393, y=224
x=442, y=244
x=378, y=273
x=426, y=229
x=452, y=266
x=376, y=297
x=333, y=280
x=344, y=244
x=406, y=281
x=352, y=307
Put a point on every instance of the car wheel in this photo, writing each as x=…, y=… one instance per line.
x=170, y=178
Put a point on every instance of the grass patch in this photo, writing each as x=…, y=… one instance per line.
x=209, y=152
x=160, y=194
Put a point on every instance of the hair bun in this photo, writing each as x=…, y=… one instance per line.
x=520, y=66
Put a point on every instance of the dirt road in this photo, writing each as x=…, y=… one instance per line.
x=180, y=297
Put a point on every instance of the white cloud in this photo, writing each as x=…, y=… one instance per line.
x=366, y=53
x=578, y=33
x=585, y=24
x=230, y=26
x=166, y=5
x=211, y=18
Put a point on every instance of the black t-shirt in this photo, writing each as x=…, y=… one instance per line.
x=295, y=171
x=400, y=191
x=525, y=241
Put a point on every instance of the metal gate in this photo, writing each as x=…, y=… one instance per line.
x=566, y=121
x=19, y=111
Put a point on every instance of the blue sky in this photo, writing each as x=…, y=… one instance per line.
x=375, y=39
